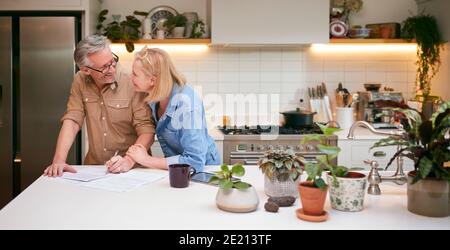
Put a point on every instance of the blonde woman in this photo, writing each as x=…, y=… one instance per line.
x=178, y=113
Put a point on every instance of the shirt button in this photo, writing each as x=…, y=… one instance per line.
x=101, y=103
x=104, y=134
x=87, y=99
x=104, y=149
x=103, y=118
x=118, y=105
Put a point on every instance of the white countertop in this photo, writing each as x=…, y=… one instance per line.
x=216, y=134
x=52, y=204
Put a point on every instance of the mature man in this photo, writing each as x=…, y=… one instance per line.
x=116, y=116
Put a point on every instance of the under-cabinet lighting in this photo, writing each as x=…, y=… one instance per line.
x=120, y=47
x=385, y=47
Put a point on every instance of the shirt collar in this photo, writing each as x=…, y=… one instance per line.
x=171, y=107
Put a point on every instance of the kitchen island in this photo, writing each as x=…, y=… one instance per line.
x=53, y=204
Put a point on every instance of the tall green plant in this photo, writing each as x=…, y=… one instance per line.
x=426, y=142
x=424, y=29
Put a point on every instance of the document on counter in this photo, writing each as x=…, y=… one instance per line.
x=95, y=176
x=86, y=173
x=125, y=181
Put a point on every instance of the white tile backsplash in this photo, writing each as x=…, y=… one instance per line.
x=288, y=72
x=271, y=66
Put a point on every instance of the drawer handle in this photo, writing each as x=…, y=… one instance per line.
x=379, y=154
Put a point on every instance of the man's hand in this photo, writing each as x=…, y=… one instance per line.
x=57, y=169
x=119, y=164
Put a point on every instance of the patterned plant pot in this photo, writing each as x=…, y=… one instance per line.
x=428, y=197
x=349, y=195
x=276, y=188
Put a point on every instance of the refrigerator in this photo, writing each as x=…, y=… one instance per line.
x=36, y=72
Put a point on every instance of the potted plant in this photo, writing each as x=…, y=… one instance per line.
x=198, y=29
x=126, y=31
x=347, y=188
x=424, y=30
x=427, y=143
x=176, y=24
x=282, y=170
x=234, y=195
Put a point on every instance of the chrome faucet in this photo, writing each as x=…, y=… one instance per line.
x=367, y=125
x=375, y=178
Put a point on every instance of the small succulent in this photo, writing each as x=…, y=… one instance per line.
x=225, y=177
x=281, y=164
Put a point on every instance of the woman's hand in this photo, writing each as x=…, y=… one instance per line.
x=139, y=154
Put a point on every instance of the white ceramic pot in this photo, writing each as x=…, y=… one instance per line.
x=178, y=32
x=349, y=196
x=236, y=200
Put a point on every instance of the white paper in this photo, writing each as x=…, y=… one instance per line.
x=125, y=181
x=86, y=173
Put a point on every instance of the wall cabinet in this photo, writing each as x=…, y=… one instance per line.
x=269, y=22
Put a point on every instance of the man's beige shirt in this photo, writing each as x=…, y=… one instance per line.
x=115, y=116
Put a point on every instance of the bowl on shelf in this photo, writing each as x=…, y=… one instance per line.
x=372, y=86
x=360, y=32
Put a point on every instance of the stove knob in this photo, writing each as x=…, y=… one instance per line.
x=270, y=147
x=279, y=147
x=310, y=148
x=299, y=148
x=260, y=147
x=290, y=148
x=252, y=147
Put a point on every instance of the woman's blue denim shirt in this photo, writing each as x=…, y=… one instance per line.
x=182, y=130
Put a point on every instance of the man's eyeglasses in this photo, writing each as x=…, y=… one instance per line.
x=106, y=68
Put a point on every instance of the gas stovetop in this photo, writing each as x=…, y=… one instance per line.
x=269, y=130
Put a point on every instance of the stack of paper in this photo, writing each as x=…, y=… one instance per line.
x=97, y=177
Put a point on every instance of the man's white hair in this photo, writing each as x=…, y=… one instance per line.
x=87, y=46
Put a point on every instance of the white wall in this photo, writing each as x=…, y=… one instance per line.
x=127, y=7
x=286, y=72
x=384, y=11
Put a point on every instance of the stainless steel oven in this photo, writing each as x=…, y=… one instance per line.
x=248, y=149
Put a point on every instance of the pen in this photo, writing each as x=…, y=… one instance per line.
x=115, y=154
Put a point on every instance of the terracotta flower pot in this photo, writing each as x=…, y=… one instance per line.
x=428, y=197
x=313, y=198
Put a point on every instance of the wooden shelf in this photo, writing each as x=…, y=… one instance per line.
x=172, y=41
x=367, y=41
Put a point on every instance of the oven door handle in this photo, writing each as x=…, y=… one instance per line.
x=249, y=162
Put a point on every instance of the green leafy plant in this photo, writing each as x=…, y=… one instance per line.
x=314, y=170
x=426, y=142
x=175, y=21
x=281, y=165
x=198, y=29
x=225, y=177
x=424, y=29
x=126, y=31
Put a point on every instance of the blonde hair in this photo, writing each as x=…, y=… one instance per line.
x=156, y=62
